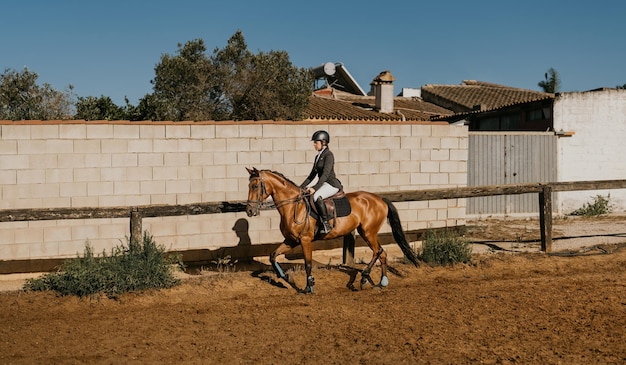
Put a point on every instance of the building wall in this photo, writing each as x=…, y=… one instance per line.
x=596, y=149
x=103, y=164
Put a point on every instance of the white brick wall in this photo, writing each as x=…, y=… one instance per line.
x=98, y=164
x=594, y=152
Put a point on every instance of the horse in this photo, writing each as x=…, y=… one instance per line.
x=368, y=214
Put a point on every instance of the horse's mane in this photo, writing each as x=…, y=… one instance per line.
x=282, y=176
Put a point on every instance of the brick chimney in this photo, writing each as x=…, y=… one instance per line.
x=383, y=91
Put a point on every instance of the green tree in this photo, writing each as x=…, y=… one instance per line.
x=261, y=86
x=102, y=108
x=272, y=88
x=231, y=72
x=552, y=82
x=22, y=99
x=146, y=109
x=183, y=85
x=231, y=84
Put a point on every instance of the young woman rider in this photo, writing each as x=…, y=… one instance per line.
x=327, y=183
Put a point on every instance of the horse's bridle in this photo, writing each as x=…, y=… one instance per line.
x=260, y=202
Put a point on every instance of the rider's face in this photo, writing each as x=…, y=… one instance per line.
x=317, y=145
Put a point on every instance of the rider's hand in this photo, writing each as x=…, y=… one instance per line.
x=311, y=191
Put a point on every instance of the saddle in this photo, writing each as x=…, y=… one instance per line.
x=337, y=206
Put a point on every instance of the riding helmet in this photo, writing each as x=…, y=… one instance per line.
x=321, y=136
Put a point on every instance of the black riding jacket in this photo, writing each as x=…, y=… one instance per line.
x=325, y=171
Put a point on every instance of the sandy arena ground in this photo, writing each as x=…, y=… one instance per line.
x=512, y=305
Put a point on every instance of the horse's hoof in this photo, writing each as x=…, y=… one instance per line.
x=307, y=290
x=384, y=281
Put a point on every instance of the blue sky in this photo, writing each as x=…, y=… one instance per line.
x=111, y=47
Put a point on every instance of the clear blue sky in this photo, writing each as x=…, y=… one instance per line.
x=110, y=47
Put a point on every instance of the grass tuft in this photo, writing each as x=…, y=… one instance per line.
x=135, y=266
x=601, y=205
x=445, y=247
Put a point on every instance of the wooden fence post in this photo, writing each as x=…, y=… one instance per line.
x=135, y=225
x=545, y=218
x=348, y=249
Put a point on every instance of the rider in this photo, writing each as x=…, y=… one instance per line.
x=327, y=183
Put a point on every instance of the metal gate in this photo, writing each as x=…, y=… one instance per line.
x=497, y=158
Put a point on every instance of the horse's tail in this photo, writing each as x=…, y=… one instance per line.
x=398, y=233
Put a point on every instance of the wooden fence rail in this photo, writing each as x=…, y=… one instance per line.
x=136, y=214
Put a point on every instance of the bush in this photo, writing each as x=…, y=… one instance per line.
x=599, y=206
x=445, y=248
x=132, y=267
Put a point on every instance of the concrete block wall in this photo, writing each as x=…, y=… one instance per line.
x=103, y=164
x=598, y=121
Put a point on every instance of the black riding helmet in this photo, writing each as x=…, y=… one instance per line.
x=321, y=136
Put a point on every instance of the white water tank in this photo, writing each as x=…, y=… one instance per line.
x=327, y=69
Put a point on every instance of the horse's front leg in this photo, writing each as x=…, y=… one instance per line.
x=307, y=250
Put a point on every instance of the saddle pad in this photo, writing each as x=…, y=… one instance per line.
x=342, y=207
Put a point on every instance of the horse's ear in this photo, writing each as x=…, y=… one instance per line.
x=253, y=172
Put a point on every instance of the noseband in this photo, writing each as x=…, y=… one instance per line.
x=260, y=203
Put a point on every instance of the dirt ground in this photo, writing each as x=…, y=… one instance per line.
x=512, y=305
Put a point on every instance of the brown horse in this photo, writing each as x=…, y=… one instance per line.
x=368, y=214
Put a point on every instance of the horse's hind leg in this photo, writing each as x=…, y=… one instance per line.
x=378, y=254
x=384, y=281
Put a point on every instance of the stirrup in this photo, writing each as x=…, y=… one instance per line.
x=325, y=227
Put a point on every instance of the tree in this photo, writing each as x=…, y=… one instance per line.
x=145, y=110
x=261, y=86
x=22, y=99
x=102, y=108
x=275, y=89
x=183, y=85
x=552, y=82
x=231, y=84
x=231, y=71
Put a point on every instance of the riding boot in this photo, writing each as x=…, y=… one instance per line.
x=321, y=211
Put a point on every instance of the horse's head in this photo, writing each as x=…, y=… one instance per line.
x=266, y=183
x=257, y=193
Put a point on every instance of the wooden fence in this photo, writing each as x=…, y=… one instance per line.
x=136, y=214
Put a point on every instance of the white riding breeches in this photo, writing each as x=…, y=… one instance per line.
x=325, y=191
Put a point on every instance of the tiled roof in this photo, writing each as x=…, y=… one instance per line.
x=476, y=95
x=459, y=116
x=336, y=105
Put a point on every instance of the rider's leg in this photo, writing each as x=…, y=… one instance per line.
x=325, y=191
x=323, y=214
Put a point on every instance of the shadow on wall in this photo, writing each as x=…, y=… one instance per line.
x=241, y=230
x=243, y=253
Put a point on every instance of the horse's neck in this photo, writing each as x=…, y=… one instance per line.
x=284, y=194
x=283, y=190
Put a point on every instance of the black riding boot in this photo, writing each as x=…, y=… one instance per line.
x=321, y=211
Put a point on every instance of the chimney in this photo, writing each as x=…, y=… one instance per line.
x=383, y=91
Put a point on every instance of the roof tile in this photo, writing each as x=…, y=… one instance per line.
x=477, y=95
x=339, y=105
